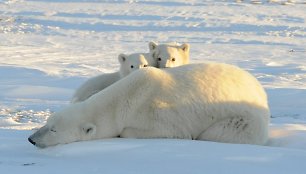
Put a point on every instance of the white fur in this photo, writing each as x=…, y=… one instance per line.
x=170, y=54
x=215, y=102
x=132, y=62
x=128, y=64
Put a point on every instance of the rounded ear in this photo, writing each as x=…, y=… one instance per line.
x=122, y=58
x=152, y=45
x=185, y=47
x=89, y=129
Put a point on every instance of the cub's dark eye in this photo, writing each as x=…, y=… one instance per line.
x=159, y=59
x=173, y=59
x=132, y=66
x=145, y=65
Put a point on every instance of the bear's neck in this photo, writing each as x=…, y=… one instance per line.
x=119, y=100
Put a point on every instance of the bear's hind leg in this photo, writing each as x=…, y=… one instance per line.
x=236, y=130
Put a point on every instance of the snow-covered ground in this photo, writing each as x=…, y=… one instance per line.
x=49, y=47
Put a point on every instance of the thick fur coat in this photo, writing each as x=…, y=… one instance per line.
x=214, y=102
x=128, y=64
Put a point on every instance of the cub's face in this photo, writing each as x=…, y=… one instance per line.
x=133, y=62
x=169, y=55
x=60, y=130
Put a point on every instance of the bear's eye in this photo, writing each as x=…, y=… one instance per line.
x=145, y=65
x=173, y=59
x=52, y=130
x=132, y=66
x=88, y=130
x=159, y=59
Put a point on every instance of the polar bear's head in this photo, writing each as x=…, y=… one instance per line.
x=72, y=125
x=169, y=55
x=75, y=123
x=132, y=62
x=61, y=129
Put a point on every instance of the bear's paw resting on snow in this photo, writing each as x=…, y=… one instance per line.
x=214, y=102
x=128, y=64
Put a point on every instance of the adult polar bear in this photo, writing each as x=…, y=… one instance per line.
x=215, y=102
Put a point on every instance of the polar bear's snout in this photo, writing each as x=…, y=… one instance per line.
x=31, y=141
x=37, y=138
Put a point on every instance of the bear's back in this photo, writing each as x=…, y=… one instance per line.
x=215, y=82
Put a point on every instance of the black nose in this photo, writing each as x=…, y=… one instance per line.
x=31, y=141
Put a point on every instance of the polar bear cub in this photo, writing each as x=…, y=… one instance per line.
x=132, y=62
x=212, y=102
x=170, y=54
x=128, y=64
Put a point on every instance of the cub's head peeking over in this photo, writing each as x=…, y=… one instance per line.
x=170, y=54
x=132, y=62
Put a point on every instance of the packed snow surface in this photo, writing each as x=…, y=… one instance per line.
x=50, y=47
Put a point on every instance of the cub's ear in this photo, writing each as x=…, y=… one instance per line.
x=152, y=45
x=89, y=129
x=185, y=47
x=122, y=58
